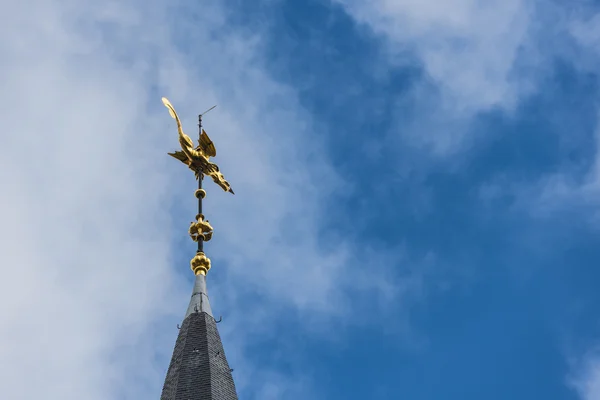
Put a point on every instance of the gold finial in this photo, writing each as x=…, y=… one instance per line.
x=200, y=264
x=197, y=158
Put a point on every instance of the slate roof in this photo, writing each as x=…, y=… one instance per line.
x=199, y=369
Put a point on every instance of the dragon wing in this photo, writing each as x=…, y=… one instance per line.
x=207, y=146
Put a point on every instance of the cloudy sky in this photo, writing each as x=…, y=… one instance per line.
x=417, y=208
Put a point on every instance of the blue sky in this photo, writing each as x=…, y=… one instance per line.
x=508, y=297
x=417, y=196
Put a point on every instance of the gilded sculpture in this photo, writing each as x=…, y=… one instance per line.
x=197, y=158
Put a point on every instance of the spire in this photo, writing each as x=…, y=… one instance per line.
x=199, y=301
x=198, y=368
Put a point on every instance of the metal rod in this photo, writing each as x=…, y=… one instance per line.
x=200, y=176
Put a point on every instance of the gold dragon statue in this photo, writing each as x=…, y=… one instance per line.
x=197, y=158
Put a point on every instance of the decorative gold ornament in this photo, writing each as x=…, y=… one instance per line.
x=200, y=193
x=197, y=159
x=200, y=264
x=200, y=229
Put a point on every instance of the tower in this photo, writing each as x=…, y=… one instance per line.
x=198, y=368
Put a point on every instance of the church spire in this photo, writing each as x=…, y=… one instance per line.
x=198, y=368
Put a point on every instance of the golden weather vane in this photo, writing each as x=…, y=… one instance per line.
x=198, y=160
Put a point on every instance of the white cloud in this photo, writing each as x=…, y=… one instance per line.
x=586, y=380
x=475, y=56
x=467, y=47
x=83, y=269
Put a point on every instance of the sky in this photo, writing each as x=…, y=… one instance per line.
x=416, y=210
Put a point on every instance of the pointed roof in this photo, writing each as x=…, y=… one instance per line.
x=199, y=369
x=199, y=301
